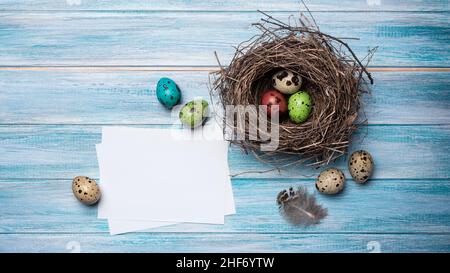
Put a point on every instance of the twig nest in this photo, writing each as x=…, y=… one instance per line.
x=286, y=82
x=291, y=58
x=360, y=166
x=86, y=190
x=330, y=181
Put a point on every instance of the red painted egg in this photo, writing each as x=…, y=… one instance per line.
x=273, y=97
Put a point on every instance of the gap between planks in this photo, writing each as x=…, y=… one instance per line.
x=201, y=233
x=134, y=11
x=33, y=180
x=188, y=68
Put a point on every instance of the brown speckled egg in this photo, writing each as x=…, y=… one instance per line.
x=86, y=190
x=330, y=181
x=360, y=166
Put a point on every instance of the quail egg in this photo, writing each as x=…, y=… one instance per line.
x=86, y=190
x=360, y=166
x=330, y=181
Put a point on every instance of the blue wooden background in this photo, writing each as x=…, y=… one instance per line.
x=67, y=67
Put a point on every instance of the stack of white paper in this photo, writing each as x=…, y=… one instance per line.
x=158, y=177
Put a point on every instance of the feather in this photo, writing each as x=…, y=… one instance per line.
x=299, y=207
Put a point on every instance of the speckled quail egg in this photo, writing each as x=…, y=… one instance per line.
x=299, y=106
x=286, y=82
x=330, y=181
x=168, y=93
x=360, y=166
x=271, y=98
x=194, y=113
x=86, y=190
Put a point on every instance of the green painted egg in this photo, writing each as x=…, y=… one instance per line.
x=194, y=113
x=299, y=106
x=167, y=92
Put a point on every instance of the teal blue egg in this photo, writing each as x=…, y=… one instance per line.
x=168, y=93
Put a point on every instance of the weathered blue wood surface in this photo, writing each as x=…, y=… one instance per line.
x=190, y=38
x=233, y=5
x=58, y=151
x=421, y=206
x=225, y=242
x=121, y=97
x=50, y=120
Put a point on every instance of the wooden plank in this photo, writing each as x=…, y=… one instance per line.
x=233, y=5
x=183, y=68
x=198, y=242
x=40, y=152
x=121, y=97
x=401, y=206
x=190, y=38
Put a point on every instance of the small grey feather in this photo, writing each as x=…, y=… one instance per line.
x=299, y=207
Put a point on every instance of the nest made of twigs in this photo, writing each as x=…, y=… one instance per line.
x=332, y=74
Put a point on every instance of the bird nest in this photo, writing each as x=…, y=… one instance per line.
x=331, y=72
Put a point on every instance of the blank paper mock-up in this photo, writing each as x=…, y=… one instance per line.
x=152, y=178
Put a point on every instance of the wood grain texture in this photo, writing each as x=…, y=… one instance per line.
x=128, y=97
x=68, y=67
x=219, y=242
x=40, y=152
x=398, y=206
x=233, y=5
x=190, y=38
x=183, y=68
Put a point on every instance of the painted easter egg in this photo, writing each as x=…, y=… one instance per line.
x=167, y=92
x=86, y=190
x=286, y=82
x=330, y=181
x=194, y=113
x=299, y=106
x=360, y=166
x=272, y=97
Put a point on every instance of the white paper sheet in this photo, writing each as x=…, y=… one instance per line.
x=157, y=183
x=133, y=154
x=124, y=226
x=117, y=226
